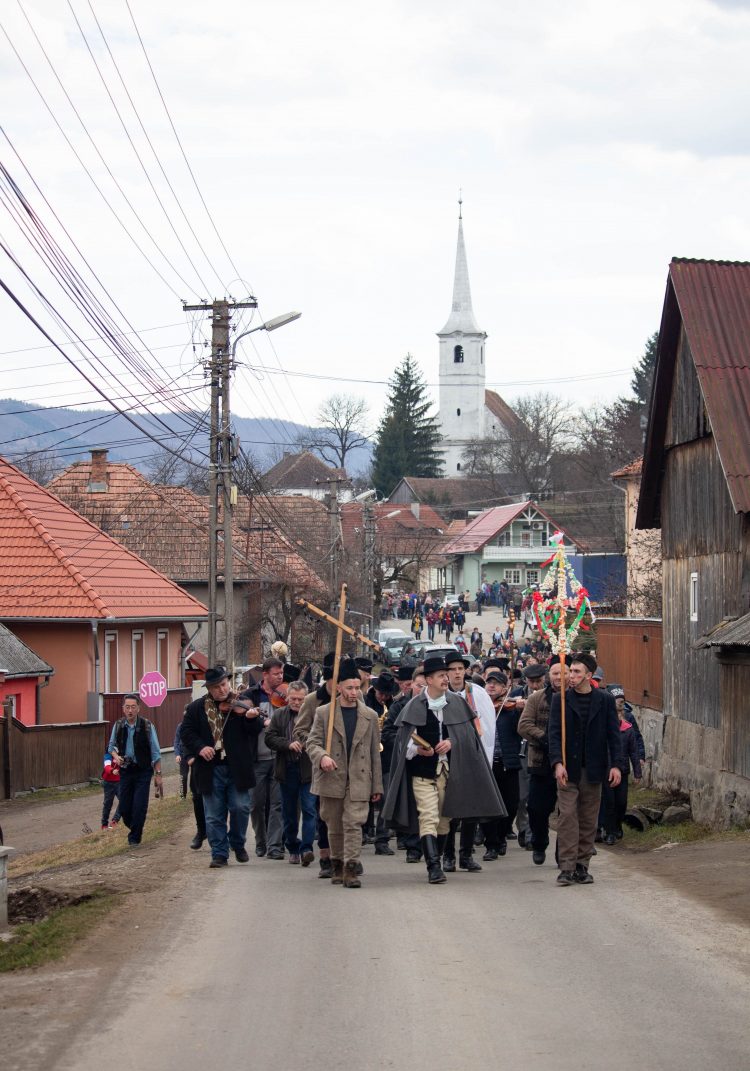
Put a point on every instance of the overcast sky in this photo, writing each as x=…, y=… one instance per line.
x=593, y=142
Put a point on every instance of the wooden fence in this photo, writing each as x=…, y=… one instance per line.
x=630, y=651
x=166, y=718
x=46, y=756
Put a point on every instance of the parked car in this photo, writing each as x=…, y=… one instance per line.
x=416, y=650
x=450, y=602
x=383, y=634
x=440, y=650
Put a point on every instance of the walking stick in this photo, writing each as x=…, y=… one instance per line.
x=336, y=660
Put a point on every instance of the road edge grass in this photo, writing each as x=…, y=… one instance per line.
x=165, y=817
x=36, y=943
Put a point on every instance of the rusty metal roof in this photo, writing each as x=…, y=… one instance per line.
x=732, y=632
x=711, y=299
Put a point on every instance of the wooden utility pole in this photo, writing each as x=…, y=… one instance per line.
x=221, y=488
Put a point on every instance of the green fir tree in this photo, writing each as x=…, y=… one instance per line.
x=408, y=439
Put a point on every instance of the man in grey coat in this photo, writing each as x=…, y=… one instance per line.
x=348, y=777
x=443, y=773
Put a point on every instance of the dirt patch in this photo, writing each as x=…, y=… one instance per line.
x=715, y=872
x=36, y=902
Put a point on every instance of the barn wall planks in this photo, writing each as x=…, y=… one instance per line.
x=697, y=516
x=687, y=418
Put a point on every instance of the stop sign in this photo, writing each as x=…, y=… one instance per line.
x=152, y=689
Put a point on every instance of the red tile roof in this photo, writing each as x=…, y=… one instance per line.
x=487, y=525
x=711, y=299
x=633, y=469
x=55, y=563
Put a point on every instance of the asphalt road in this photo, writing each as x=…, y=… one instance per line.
x=266, y=966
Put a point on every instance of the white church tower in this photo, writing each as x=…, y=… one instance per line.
x=462, y=371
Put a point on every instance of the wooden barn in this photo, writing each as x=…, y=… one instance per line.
x=696, y=486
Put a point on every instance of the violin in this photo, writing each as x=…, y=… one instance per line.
x=278, y=696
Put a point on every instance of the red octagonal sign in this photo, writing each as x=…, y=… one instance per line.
x=153, y=689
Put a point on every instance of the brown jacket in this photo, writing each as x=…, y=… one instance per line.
x=532, y=726
x=362, y=773
x=303, y=721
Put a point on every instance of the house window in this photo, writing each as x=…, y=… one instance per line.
x=458, y=355
x=162, y=652
x=503, y=540
x=110, y=661
x=525, y=539
x=532, y=576
x=458, y=412
x=137, y=646
x=693, y=596
x=513, y=576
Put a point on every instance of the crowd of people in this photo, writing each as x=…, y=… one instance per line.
x=417, y=757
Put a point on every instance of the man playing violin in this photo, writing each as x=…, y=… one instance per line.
x=269, y=691
x=220, y=732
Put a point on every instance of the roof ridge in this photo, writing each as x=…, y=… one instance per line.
x=51, y=542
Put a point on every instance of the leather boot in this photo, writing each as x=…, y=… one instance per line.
x=435, y=875
x=467, y=862
x=351, y=879
x=446, y=854
x=337, y=871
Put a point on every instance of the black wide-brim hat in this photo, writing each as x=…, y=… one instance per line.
x=457, y=657
x=434, y=665
x=291, y=673
x=216, y=674
x=385, y=683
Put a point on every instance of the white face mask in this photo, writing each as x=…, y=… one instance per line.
x=436, y=704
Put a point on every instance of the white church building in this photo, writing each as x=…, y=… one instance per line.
x=468, y=411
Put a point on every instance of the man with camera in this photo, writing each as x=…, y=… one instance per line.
x=135, y=751
x=220, y=732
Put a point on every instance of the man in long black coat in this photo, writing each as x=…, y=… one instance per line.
x=220, y=734
x=449, y=778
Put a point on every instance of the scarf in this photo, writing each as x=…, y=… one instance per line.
x=436, y=704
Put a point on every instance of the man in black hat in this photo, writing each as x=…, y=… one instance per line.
x=348, y=777
x=506, y=761
x=532, y=726
x=408, y=841
x=220, y=733
x=443, y=774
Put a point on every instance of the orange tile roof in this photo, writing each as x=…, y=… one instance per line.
x=169, y=526
x=633, y=469
x=55, y=563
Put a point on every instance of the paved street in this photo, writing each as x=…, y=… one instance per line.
x=266, y=966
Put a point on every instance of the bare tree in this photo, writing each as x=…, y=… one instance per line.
x=342, y=427
x=525, y=460
x=39, y=465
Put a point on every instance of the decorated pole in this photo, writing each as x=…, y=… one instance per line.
x=561, y=595
x=336, y=660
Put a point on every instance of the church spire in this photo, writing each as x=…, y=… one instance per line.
x=462, y=315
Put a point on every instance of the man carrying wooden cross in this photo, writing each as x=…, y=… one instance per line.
x=346, y=771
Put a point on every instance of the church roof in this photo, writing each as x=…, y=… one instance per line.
x=502, y=411
x=462, y=315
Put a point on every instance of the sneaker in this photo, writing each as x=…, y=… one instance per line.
x=566, y=877
x=105, y=826
x=307, y=858
x=582, y=876
x=114, y=823
x=294, y=859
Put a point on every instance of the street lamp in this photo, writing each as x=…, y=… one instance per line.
x=221, y=436
x=269, y=325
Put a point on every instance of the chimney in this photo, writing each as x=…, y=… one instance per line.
x=98, y=478
x=415, y=509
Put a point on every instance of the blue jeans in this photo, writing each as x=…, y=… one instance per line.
x=134, y=790
x=226, y=799
x=293, y=792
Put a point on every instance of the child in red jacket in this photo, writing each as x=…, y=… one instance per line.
x=111, y=786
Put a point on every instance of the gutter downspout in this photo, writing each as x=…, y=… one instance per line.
x=97, y=672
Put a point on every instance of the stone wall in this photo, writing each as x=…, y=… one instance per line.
x=682, y=756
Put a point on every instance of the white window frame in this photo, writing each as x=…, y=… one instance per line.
x=135, y=636
x=526, y=539
x=513, y=576
x=693, y=596
x=532, y=576
x=162, y=634
x=110, y=639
